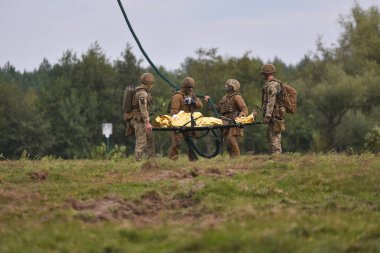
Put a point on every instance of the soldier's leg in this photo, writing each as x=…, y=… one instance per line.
x=269, y=139
x=191, y=155
x=274, y=140
x=233, y=145
x=174, y=148
x=277, y=149
x=141, y=139
x=150, y=145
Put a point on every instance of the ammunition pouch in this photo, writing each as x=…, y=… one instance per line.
x=128, y=116
x=136, y=116
x=232, y=114
x=130, y=131
x=278, y=125
x=279, y=112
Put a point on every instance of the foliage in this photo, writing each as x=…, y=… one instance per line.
x=372, y=140
x=333, y=98
x=101, y=153
x=22, y=125
x=359, y=44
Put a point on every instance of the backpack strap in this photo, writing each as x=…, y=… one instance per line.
x=280, y=93
x=141, y=88
x=234, y=94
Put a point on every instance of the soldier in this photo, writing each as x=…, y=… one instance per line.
x=231, y=106
x=274, y=111
x=186, y=101
x=138, y=119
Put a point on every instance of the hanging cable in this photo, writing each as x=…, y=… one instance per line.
x=174, y=86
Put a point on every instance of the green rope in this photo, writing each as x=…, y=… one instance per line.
x=143, y=51
x=218, y=140
x=174, y=86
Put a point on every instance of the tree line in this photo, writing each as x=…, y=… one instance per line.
x=59, y=109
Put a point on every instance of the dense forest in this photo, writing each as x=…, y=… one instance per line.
x=59, y=109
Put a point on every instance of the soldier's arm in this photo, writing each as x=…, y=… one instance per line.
x=175, y=104
x=142, y=96
x=198, y=103
x=272, y=93
x=242, y=106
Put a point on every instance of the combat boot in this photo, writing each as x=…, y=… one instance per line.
x=138, y=157
x=192, y=156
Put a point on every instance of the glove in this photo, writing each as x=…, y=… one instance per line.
x=267, y=119
x=189, y=100
x=148, y=127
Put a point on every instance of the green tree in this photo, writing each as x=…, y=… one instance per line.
x=359, y=44
x=333, y=98
x=22, y=126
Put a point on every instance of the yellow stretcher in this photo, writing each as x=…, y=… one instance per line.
x=183, y=119
x=183, y=122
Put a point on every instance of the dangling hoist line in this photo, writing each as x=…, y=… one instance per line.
x=174, y=86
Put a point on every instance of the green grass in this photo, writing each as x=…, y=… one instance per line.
x=288, y=203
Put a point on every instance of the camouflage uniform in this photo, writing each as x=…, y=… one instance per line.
x=178, y=104
x=276, y=112
x=232, y=105
x=139, y=117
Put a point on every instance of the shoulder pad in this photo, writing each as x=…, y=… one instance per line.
x=141, y=88
x=274, y=83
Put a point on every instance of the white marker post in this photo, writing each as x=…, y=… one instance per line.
x=107, y=131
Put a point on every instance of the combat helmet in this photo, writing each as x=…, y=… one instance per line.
x=268, y=69
x=234, y=84
x=147, y=79
x=188, y=82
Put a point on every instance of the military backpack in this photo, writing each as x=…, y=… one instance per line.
x=288, y=97
x=129, y=93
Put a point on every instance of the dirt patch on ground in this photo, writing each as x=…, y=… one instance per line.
x=149, y=166
x=152, y=171
x=190, y=173
x=39, y=175
x=178, y=174
x=20, y=196
x=9, y=196
x=149, y=208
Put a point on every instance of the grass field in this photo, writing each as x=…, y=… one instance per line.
x=288, y=203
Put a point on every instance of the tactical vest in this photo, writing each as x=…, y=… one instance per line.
x=228, y=106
